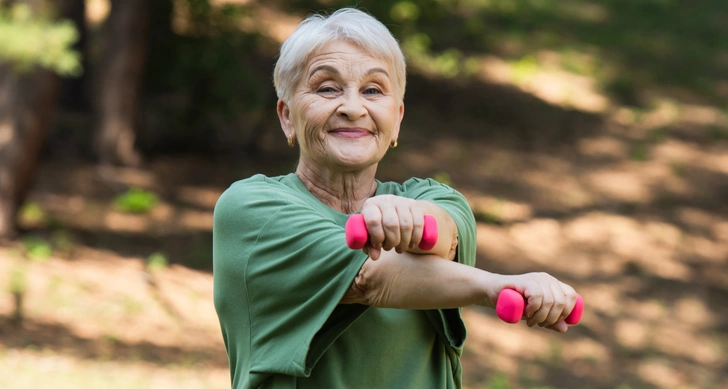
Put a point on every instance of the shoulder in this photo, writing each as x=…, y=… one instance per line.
x=251, y=186
x=258, y=189
x=256, y=198
x=421, y=188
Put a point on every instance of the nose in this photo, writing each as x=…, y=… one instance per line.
x=352, y=106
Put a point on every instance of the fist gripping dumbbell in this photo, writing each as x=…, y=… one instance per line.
x=357, y=235
x=511, y=305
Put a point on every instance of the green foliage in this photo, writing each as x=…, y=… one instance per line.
x=443, y=178
x=717, y=133
x=623, y=90
x=498, y=381
x=450, y=63
x=28, y=40
x=658, y=135
x=156, y=262
x=489, y=216
x=405, y=11
x=37, y=248
x=524, y=68
x=31, y=214
x=136, y=200
x=62, y=240
x=639, y=152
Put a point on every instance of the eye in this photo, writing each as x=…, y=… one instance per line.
x=326, y=89
x=372, y=91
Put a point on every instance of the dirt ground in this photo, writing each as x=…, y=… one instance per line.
x=637, y=223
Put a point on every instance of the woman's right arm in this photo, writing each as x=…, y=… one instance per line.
x=415, y=281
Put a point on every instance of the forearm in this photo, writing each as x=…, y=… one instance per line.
x=447, y=232
x=413, y=281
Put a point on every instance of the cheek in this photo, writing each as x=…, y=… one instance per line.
x=386, y=118
x=307, y=114
x=310, y=119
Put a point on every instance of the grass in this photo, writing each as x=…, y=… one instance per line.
x=37, y=248
x=156, y=262
x=639, y=151
x=136, y=200
x=498, y=381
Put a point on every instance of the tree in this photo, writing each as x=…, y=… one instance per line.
x=119, y=79
x=73, y=90
x=29, y=65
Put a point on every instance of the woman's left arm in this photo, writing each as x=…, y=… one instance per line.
x=447, y=232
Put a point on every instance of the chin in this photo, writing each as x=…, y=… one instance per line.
x=356, y=162
x=354, y=157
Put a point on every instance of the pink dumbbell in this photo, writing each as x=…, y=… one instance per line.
x=511, y=305
x=357, y=234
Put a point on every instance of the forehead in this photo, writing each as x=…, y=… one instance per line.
x=344, y=54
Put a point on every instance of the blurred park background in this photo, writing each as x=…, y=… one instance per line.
x=590, y=137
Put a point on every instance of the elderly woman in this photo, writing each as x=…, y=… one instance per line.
x=297, y=307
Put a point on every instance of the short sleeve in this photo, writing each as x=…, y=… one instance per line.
x=289, y=266
x=448, y=322
x=456, y=205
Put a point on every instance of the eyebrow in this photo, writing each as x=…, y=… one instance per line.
x=327, y=68
x=333, y=70
x=377, y=70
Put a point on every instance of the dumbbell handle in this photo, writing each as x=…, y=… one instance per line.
x=511, y=306
x=357, y=235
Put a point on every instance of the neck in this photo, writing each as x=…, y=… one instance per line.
x=345, y=192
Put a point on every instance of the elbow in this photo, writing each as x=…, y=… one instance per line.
x=370, y=285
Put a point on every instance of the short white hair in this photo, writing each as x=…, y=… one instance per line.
x=345, y=25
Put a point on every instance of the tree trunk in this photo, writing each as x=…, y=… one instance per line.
x=73, y=90
x=119, y=81
x=27, y=102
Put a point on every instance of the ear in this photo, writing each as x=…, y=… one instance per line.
x=284, y=115
x=400, y=116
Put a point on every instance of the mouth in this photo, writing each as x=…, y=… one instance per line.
x=351, y=132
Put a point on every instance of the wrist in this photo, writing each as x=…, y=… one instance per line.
x=488, y=288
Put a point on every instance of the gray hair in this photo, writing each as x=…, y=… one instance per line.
x=345, y=25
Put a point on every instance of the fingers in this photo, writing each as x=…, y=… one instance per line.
x=571, y=297
x=374, y=254
x=373, y=220
x=405, y=228
x=549, y=301
x=559, y=326
x=556, y=312
x=390, y=225
x=418, y=227
x=393, y=222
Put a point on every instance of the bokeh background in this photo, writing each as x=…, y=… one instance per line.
x=590, y=138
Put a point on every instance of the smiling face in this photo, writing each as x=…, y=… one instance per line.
x=344, y=112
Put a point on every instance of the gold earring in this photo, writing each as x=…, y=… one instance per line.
x=291, y=140
x=393, y=144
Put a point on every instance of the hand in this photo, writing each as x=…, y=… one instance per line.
x=548, y=300
x=393, y=222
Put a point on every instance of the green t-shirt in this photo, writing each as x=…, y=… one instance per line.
x=281, y=266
